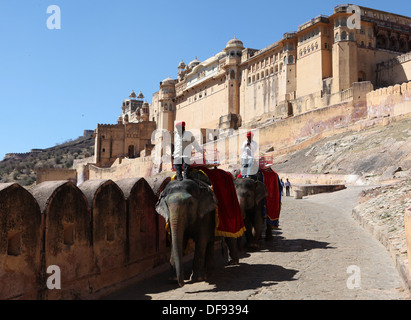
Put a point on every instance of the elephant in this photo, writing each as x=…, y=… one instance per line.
x=189, y=208
x=250, y=195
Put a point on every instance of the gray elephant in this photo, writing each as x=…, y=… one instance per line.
x=250, y=194
x=189, y=208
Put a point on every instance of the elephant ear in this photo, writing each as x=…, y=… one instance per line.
x=207, y=202
x=260, y=191
x=162, y=207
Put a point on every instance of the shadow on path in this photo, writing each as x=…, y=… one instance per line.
x=247, y=277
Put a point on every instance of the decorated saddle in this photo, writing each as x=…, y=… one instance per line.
x=272, y=205
x=229, y=220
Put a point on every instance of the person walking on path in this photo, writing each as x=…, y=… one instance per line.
x=287, y=188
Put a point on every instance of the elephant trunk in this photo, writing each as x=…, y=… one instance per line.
x=241, y=202
x=178, y=205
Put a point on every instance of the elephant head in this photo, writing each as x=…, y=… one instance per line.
x=250, y=193
x=185, y=205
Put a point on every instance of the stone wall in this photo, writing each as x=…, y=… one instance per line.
x=99, y=234
x=53, y=174
x=390, y=101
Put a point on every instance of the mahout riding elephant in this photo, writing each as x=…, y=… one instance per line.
x=250, y=195
x=189, y=207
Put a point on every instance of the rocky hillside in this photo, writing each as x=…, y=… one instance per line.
x=381, y=152
x=21, y=168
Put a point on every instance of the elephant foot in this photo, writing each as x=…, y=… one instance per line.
x=254, y=246
x=233, y=262
x=197, y=278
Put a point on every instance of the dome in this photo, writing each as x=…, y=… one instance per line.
x=132, y=94
x=167, y=80
x=193, y=63
x=181, y=65
x=140, y=95
x=235, y=43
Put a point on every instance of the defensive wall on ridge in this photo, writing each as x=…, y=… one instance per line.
x=99, y=234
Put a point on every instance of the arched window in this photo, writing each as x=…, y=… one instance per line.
x=131, y=151
x=361, y=76
x=344, y=21
x=232, y=75
x=290, y=58
x=344, y=35
x=352, y=38
x=336, y=22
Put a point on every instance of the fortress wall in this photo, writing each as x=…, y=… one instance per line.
x=394, y=71
x=54, y=174
x=123, y=168
x=99, y=234
x=295, y=130
x=390, y=101
x=320, y=179
x=20, y=243
x=67, y=236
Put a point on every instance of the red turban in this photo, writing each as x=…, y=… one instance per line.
x=249, y=134
x=180, y=124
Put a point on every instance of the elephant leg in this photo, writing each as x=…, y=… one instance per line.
x=232, y=251
x=209, y=259
x=249, y=228
x=199, y=261
x=268, y=231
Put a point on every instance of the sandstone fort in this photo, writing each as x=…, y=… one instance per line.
x=351, y=69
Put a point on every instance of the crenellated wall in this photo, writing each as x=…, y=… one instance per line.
x=99, y=234
x=389, y=101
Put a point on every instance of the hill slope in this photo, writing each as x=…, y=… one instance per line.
x=376, y=151
x=21, y=167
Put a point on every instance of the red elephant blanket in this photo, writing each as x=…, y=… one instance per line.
x=272, y=201
x=229, y=221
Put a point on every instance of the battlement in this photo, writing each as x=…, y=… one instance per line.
x=389, y=101
x=99, y=234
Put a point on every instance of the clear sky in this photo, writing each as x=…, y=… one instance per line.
x=56, y=83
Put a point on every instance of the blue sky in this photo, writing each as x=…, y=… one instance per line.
x=56, y=83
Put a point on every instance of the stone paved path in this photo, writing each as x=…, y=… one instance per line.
x=310, y=255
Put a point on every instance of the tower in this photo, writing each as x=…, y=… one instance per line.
x=344, y=54
x=233, y=52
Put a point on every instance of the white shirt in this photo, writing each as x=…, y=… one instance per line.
x=184, y=145
x=247, y=151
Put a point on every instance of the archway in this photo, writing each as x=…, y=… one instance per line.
x=131, y=151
